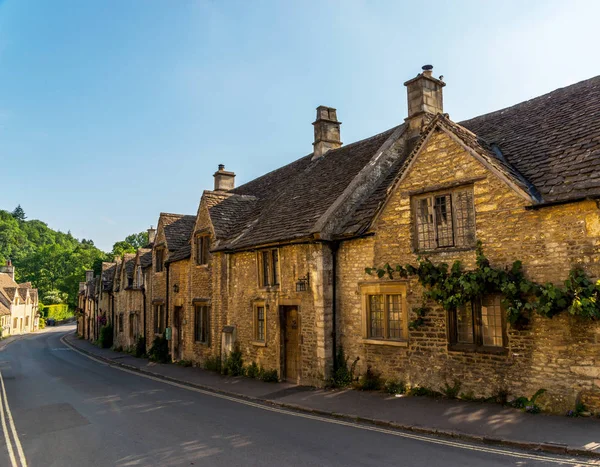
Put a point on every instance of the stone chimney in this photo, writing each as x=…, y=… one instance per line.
x=424, y=97
x=224, y=181
x=151, y=234
x=89, y=275
x=327, y=131
x=81, y=287
x=8, y=269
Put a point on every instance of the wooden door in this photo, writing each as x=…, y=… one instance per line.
x=177, y=322
x=292, y=344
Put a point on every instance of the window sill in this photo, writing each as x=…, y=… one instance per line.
x=444, y=250
x=259, y=343
x=202, y=266
x=205, y=344
x=477, y=349
x=385, y=342
x=270, y=288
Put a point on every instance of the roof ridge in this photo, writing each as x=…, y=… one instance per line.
x=528, y=101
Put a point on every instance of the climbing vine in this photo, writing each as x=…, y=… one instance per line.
x=452, y=286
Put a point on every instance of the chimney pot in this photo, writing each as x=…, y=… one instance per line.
x=151, y=234
x=327, y=131
x=224, y=181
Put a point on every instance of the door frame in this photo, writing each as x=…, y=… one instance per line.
x=177, y=328
x=283, y=308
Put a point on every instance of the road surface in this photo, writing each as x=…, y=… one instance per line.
x=69, y=410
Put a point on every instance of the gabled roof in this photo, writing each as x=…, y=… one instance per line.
x=129, y=261
x=23, y=292
x=553, y=140
x=286, y=204
x=108, y=274
x=182, y=253
x=178, y=229
x=145, y=257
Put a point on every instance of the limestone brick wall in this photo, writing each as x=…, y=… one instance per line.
x=561, y=354
x=314, y=307
x=158, y=286
x=130, y=303
x=179, y=274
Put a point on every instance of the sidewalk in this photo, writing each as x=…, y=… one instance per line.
x=483, y=422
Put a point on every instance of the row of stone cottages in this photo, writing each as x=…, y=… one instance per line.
x=276, y=266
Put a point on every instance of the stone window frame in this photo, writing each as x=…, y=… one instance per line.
x=202, y=242
x=257, y=339
x=385, y=289
x=451, y=193
x=158, y=315
x=202, y=307
x=159, y=259
x=268, y=278
x=477, y=328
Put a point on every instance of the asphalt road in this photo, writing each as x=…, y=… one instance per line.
x=69, y=410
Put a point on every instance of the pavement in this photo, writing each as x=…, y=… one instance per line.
x=60, y=407
x=477, y=422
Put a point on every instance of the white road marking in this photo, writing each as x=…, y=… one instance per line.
x=401, y=434
x=11, y=453
x=12, y=426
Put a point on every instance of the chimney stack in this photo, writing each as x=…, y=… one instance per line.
x=327, y=131
x=224, y=181
x=8, y=269
x=424, y=98
x=151, y=235
x=89, y=275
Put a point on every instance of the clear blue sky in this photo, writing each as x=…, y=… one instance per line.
x=112, y=111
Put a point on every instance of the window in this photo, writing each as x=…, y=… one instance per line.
x=130, y=282
x=478, y=324
x=26, y=321
x=201, y=331
x=202, y=249
x=268, y=268
x=139, y=277
x=259, y=322
x=445, y=220
x=160, y=258
x=385, y=311
x=16, y=323
x=159, y=318
x=120, y=322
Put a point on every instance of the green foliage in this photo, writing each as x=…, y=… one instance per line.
x=234, y=364
x=19, y=214
x=451, y=392
x=580, y=410
x=140, y=347
x=419, y=320
x=130, y=244
x=41, y=323
x=343, y=375
x=105, y=340
x=57, y=312
x=50, y=260
x=159, y=352
x=252, y=371
x=268, y=376
x=452, y=287
x=184, y=363
x=394, y=386
x=370, y=381
x=529, y=405
x=422, y=391
x=213, y=364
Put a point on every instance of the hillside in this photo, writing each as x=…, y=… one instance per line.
x=53, y=261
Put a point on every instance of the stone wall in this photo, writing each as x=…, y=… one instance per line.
x=561, y=354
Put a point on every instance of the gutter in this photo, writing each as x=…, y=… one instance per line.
x=558, y=203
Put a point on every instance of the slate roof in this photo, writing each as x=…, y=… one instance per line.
x=285, y=204
x=23, y=292
x=145, y=257
x=547, y=147
x=182, y=253
x=129, y=261
x=178, y=229
x=553, y=140
x=108, y=274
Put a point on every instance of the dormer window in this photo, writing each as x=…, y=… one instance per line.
x=130, y=282
x=202, y=249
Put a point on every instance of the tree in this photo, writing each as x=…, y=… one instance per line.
x=19, y=214
x=130, y=244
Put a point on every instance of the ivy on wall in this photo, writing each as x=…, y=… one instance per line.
x=452, y=286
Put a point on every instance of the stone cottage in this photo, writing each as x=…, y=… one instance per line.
x=18, y=304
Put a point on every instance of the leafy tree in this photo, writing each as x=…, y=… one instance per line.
x=130, y=244
x=19, y=214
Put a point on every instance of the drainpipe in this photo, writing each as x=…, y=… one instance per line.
x=334, y=250
x=167, y=298
x=144, y=310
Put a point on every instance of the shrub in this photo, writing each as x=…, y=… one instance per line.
x=140, y=347
x=393, y=386
x=41, y=323
x=529, y=405
x=370, y=381
x=159, y=352
x=452, y=392
x=184, y=363
x=213, y=364
x=252, y=371
x=234, y=364
x=422, y=391
x=105, y=340
x=268, y=376
x=342, y=376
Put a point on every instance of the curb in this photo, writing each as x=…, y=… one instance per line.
x=551, y=448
